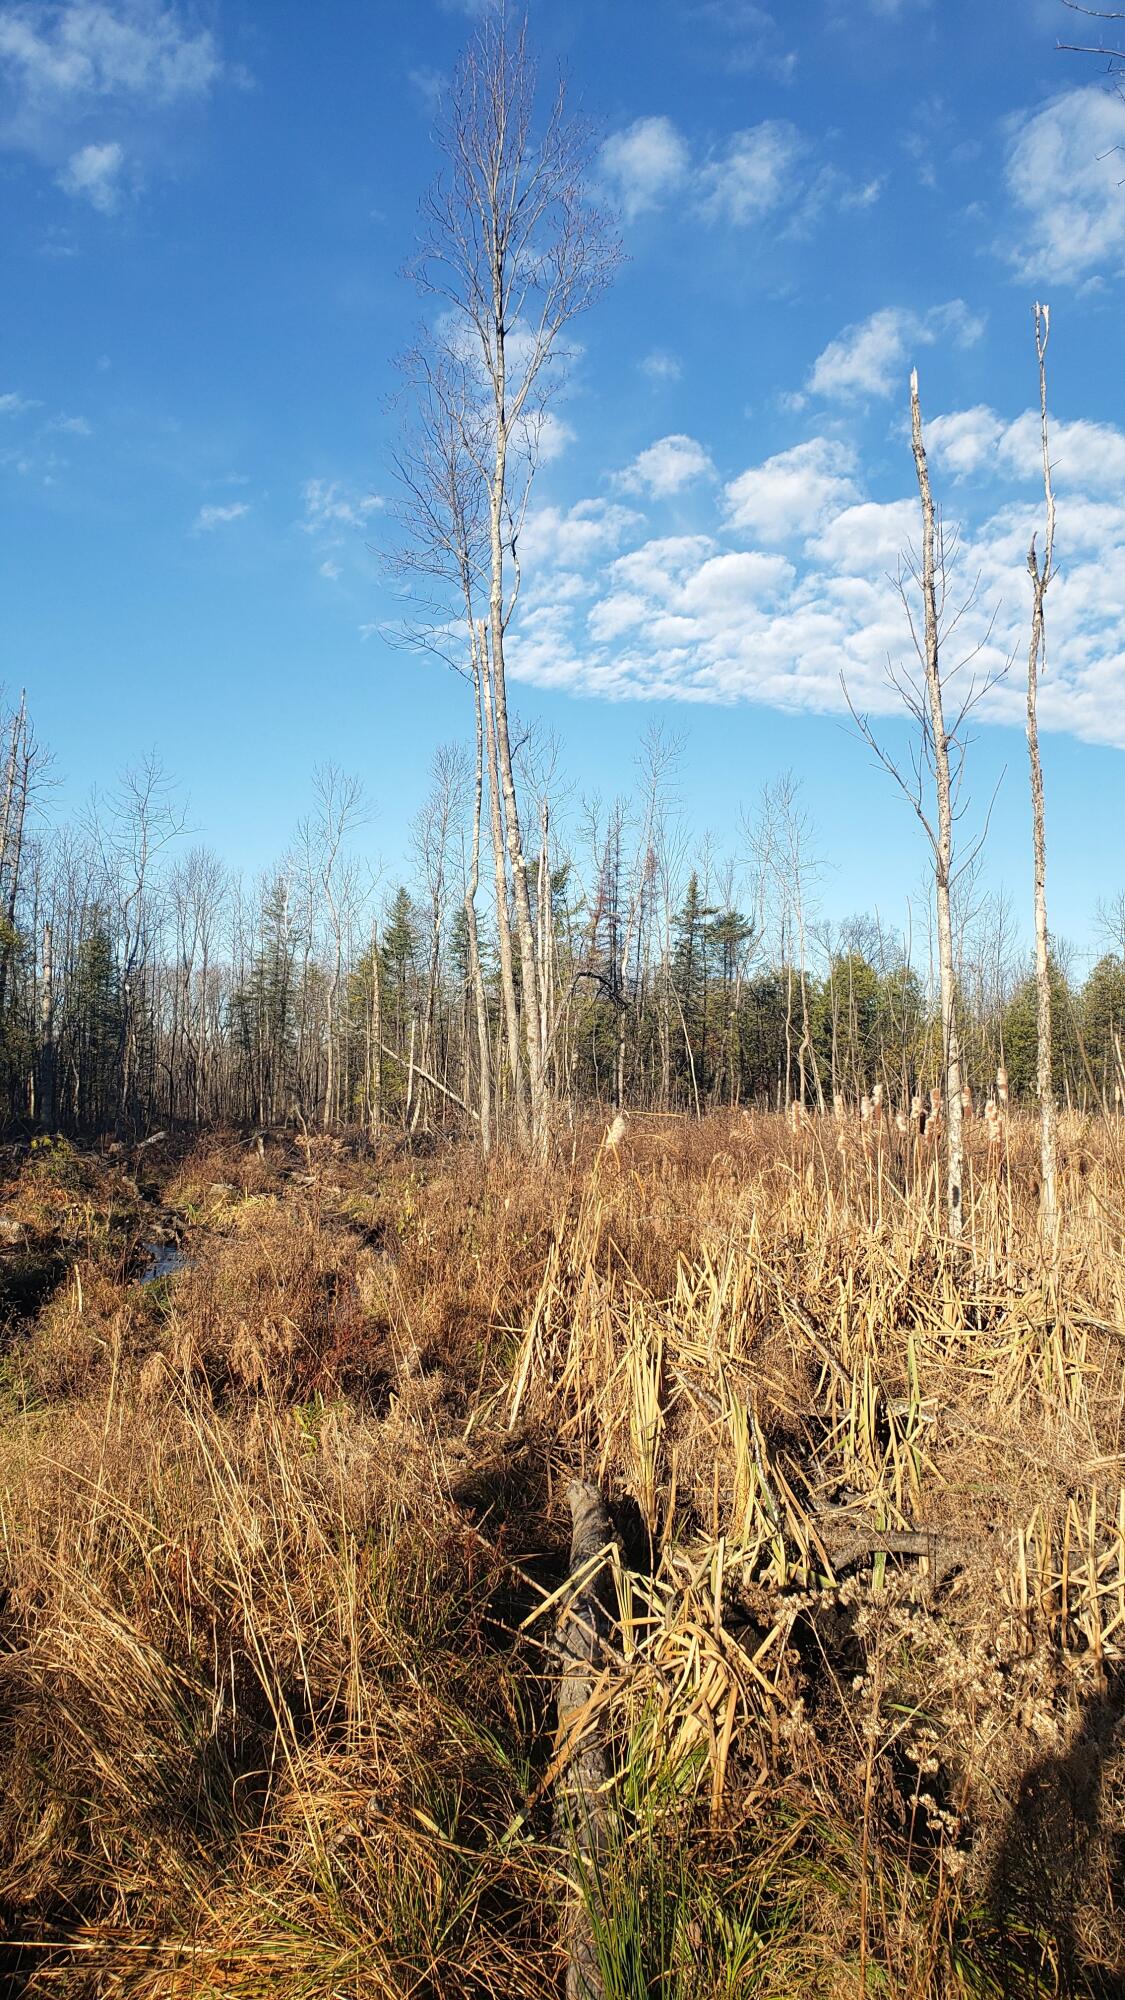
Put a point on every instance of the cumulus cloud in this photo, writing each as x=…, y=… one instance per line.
x=1084, y=455
x=644, y=164
x=724, y=617
x=666, y=467
x=569, y=538
x=793, y=492
x=215, y=515
x=865, y=360
x=13, y=405
x=93, y=174
x=1064, y=172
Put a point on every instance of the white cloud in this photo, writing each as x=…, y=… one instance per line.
x=1064, y=170
x=12, y=405
x=754, y=40
x=976, y=441
x=644, y=164
x=666, y=467
x=660, y=366
x=550, y=437
x=691, y=618
x=429, y=86
x=331, y=570
x=71, y=426
x=331, y=506
x=864, y=360
x=93, y=174
x=69, y=68
x=561, y=538
x=868, y=539
x=793, y=492
x=216, y=516
x=754, y=175
x=763, y=170
x=862, y=194
x=89, y=49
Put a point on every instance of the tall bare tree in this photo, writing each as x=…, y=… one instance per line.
x=940, y=760
x=1041, y=572
x=514, y=251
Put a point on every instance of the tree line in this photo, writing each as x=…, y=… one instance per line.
x=144, y=984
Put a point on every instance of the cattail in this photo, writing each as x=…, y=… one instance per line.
x=916, y=1106
x=877, y=1096
x=902, y=1122
x=967, y=1100
x=865, y=1110
x=838, y=1108
x=935, y=1104
x=1002, y=1084
x=993, y=1122
x=615, y=1133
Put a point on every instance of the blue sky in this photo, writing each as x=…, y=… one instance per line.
x=205, y=211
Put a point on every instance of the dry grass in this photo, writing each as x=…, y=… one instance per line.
x=282, y=1536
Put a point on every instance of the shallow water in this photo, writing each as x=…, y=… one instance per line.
x=164, y=1260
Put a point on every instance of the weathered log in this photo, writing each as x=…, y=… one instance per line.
x=581, y=1815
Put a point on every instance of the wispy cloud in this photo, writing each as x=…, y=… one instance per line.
x=660, y=366
x=429, y=86
x=761, y=171
x=645, y=164
x=13, y=405
x=753, y=175
x=215, y=515
x=89, y=49
x=70, y=67
x=93, y=174
x=749, y=36
x=331, y=506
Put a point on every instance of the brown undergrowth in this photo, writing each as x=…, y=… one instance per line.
x=282, y=1538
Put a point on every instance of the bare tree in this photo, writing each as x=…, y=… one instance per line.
x=1041, y=573
x=940, y=759
x=514, y=252
x=1110, y=54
